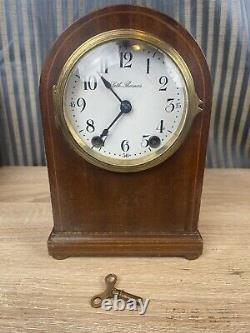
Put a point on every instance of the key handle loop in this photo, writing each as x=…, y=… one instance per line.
x=110, y=281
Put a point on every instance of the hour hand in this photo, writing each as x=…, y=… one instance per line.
x=108, y=85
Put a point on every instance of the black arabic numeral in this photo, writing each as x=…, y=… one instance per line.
x=81, y=103
x=125, y=59
x=170, y=105
x=148, y=63
x=125, y=146
x=91, y=84
x=144, y=142
x=160, y=127
x=163, y=80
x=90, y=125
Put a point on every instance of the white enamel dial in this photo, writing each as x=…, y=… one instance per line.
x=125, y=100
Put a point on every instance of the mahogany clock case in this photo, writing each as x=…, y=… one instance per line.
x=148, y=213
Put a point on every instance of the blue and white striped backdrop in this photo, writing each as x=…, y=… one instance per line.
x=28, y=29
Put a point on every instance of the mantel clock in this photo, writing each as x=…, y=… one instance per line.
x=125, y=98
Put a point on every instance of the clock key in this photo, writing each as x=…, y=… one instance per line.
x=111, y=292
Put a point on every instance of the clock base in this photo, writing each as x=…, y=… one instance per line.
x=62, y=245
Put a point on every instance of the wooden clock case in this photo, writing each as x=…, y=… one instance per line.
x=148, y=213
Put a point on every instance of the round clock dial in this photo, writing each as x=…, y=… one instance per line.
x=125, y=103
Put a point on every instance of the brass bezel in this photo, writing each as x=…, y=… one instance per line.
x=132, y=165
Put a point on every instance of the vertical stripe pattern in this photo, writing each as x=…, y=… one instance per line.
x=28, y=29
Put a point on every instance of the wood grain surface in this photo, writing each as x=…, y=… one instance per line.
x=41, y=294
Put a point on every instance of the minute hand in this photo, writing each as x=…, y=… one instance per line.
x=109, y=86
x=125, y=108
x=106, y=130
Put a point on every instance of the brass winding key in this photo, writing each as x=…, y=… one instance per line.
x=111, y=291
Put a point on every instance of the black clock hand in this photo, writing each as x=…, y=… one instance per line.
x=106, y=130
x=109, y=86
x=125, y=107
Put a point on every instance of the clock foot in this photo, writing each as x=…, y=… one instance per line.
x=56, y=252
x=192, y=256
x=59, y=256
